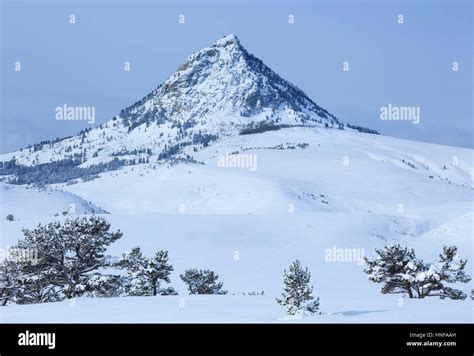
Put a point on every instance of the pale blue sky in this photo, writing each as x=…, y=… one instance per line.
x=82, y=64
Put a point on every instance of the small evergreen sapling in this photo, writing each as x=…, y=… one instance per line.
x=297, y=296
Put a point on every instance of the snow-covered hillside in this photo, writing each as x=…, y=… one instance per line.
x=316, y=170
x=26, y=203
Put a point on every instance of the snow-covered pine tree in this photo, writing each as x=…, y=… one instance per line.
x=144, y=274
x=396, y=267
x=134, y=262
x=448, y=269
x=297, y=296
x=67, y=255
x=202, y=281
x=9, y=281
x=167, y=291
x=158, y=269
x=401, y=272
x=21, y=282
x=35, y=277
x=106, y=285
x=312, y=307
x=36, y=286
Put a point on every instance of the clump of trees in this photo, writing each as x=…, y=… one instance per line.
x=260, y=128
x=297, y=296
x=57, y=171
x=202, y=281
x=70, y=260
x=400, y=271
x=363, y=129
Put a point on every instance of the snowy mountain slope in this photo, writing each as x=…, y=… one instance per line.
x=30, y=203
x=313, y=179
x=216, y=92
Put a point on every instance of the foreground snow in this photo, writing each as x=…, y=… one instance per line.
x=265, y=245
x=236, y=309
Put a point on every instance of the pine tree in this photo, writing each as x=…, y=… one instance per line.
x=448, y=269
x=9, y=282
x=167, y=291
x=158, y=270
x=106, y=285
x=22, y=282
x=396, y=267
x=66, y=256
x=134, y=262
x=297, y=295
x=144, y=274
x=202, y=282
x=401, y=272
x=38, y=279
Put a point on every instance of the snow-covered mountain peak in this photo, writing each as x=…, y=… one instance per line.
x=221, y=90
x=225, y=80
x=229, y=40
